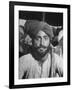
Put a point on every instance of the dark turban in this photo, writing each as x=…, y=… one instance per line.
x=32, y=27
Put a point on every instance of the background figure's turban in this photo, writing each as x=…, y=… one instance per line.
x=32, y=27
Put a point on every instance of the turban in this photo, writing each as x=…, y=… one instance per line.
x=32, y=27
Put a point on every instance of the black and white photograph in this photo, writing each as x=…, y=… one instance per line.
x=40, y=45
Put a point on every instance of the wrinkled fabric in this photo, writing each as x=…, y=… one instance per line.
x=31, y=68
x=32, y=27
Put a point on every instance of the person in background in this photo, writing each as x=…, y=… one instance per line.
x=41, y=62
x=21, y=39
x=24, y=42
x=58, y=42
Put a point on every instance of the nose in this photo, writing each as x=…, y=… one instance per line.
x=42, y=42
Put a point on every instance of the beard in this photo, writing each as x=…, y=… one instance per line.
x=41, y=51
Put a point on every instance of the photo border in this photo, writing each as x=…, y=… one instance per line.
x=11, y=43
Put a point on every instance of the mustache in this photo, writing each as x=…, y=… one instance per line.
x=41, y=46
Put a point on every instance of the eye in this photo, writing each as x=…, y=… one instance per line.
x=37, y=38
x=46, y=37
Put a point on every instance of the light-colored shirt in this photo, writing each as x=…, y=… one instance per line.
x=31, y=68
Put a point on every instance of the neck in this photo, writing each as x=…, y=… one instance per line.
x=39, y=57
x=44, y=58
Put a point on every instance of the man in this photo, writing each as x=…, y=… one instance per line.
x=24, y=42
x=41, y=62
x=58, y=43
x=21, y=34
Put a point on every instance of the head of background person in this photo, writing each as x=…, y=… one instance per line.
x=41, y=34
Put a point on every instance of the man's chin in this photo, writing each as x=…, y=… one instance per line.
x=42, y=53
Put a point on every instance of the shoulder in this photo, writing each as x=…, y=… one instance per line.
x=57, y=57
x=58, y=60
x=26, y=59
x=27, y=56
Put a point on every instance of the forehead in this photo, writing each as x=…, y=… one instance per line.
x=41, y=33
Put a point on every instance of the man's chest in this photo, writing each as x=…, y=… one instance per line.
x=39, y=71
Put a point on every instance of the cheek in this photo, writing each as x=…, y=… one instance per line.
x=46, y=43
x=36, y=43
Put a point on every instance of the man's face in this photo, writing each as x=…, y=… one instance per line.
x=41, y=42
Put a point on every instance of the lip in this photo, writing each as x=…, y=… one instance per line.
x=42, y=49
